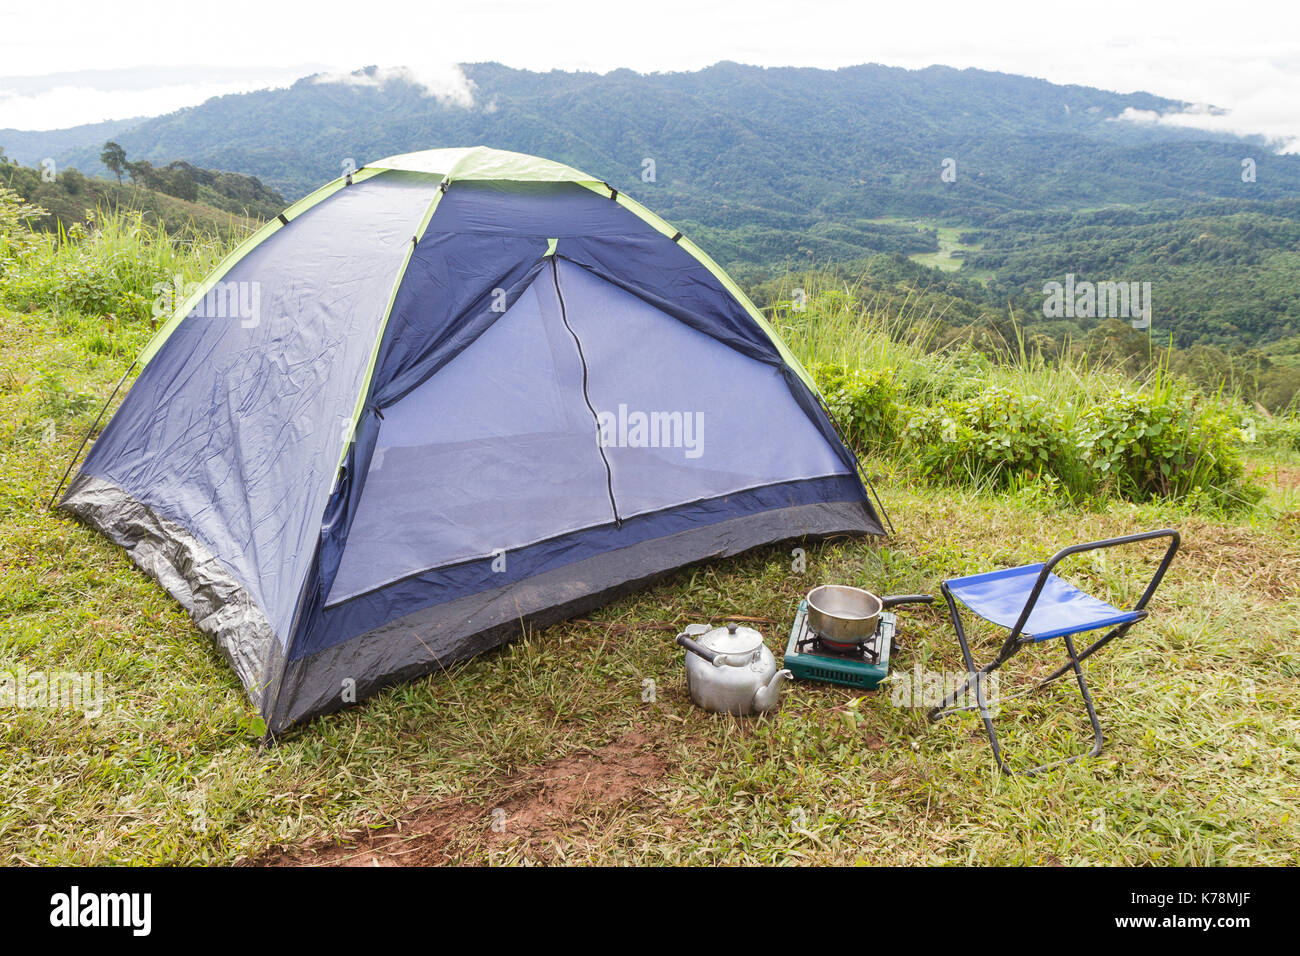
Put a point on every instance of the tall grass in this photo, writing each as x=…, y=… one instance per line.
x=99, y=289
x=831, y=323
x=114, y=265
x=1001, y=416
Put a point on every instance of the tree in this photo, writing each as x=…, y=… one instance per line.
x=114, y=157
x=142, y=173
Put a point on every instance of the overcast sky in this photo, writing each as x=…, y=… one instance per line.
x=74, y=62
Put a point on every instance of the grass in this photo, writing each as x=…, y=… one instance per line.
x=951, y=254
x=119, y=268
x=1202, y=762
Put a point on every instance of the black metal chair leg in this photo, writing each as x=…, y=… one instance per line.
x=1076, y=661
x=972, y=675
x=976, y=678
x=1088, y=652
x=1097, y=737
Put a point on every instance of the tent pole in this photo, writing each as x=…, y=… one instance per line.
x=80, y=448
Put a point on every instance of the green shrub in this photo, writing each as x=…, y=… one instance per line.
x=1165, y=441
x=863, y=402
x=84, y=285
x=1279, y=432
x=1000, y=436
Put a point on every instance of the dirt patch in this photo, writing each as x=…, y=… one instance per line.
x=538, y=806
x=1285, y=476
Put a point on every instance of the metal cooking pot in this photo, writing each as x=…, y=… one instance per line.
x=844, y=615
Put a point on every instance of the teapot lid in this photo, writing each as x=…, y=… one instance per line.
x=733, y=639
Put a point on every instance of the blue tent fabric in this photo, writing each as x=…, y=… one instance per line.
x=549, y=210
x=523, y=413
x=455, y=287
x=561, y=404
x=669, y=278
x=517, y=463
x=234, y=430
x=338, y=623
x=447, y=294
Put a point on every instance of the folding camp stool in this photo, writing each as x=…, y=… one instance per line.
x=1037, y=606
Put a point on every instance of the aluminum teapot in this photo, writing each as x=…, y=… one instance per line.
x=729, y=670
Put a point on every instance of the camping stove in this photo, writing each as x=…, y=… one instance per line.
x=863, y=665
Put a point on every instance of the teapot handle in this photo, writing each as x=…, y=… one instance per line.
x=696, y=648
x=715, y=658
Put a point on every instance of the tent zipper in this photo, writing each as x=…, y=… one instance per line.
x=586, y=395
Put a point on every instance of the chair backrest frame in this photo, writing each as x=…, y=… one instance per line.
x=1175, y=540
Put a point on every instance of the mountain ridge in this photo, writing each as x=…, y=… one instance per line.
x=784, y=167
x=696, y=124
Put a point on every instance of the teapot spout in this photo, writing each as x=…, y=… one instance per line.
x=769, y=698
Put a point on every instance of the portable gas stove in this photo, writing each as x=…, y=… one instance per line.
x=863, y=665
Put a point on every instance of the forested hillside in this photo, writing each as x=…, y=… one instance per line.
x=1222, y=273
x=773, y=169
x=179, y=196
x=734, y=145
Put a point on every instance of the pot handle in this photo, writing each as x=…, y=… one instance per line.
x=894, y=600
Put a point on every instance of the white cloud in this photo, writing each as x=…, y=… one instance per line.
x=59, y=100
x=63, y=106
x=446, y=84
x=1253, y=120
x=1145, y=117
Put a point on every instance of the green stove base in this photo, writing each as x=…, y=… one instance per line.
x=863, y=670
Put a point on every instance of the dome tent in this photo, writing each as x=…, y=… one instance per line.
x=452, y=393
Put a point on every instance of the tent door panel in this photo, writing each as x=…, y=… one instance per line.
x=496, y=451
x=683, y=417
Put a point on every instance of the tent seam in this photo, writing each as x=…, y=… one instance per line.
x=349, y=440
